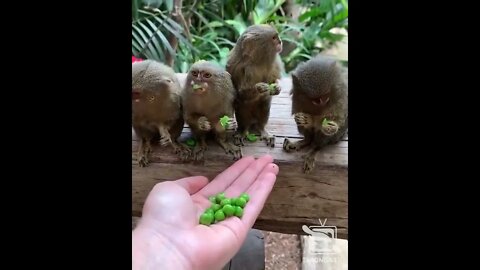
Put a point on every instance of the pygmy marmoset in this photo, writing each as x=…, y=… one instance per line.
x=256, y=67
x=207, y=97
x=156, y=108
x=319, y=105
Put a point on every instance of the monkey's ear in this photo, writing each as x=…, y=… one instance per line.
x=247, y=44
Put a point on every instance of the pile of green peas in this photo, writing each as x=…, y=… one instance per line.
x=223, y=207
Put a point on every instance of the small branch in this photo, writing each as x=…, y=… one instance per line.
x=178, y=17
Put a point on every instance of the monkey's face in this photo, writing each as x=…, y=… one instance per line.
x=157, y=91
x=200, y=80
x=310, y=97
x=315, y=81
x=260, y=41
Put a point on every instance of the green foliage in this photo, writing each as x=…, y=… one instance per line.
x=316, y=24
x=215, y=25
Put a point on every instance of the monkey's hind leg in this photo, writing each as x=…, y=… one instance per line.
x=148, y=147
x=239, y=138
x=319, y=142
x=142, y=153
x=229, y=148
x=269, y=139
x=310, y=158
x=200, y=148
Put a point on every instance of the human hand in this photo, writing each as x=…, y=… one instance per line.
x=169, y=235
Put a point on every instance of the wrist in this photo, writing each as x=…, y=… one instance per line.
x=151, y=250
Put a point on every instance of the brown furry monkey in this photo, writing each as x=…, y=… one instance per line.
x=319, y=105
x=255, y=64
x=156, y=108
x=208, y=95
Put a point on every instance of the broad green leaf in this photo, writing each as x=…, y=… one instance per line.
x=299, y=44
x=238, y=26
x=169, y=5
x=153, y=3
x=214, y=24
x=209, y=41
x=224, y=52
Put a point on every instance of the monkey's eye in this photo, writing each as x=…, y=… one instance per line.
x=275, y=37
x=168, y=81
x=207, y=75
x=194, y=73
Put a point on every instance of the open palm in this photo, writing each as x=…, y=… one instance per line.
x=170, y=221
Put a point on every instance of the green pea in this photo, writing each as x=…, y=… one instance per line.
x=225, y=202
x=228, y=210
x=245, y=196
x=224, y=121
x=238, y=211
x=209, y=210
x=219, y=215
x=206, y=218
x=212, y=199
x=241, y=202
x=215, y=207
x=191, y=142
x=220, y=197
x=252, y=137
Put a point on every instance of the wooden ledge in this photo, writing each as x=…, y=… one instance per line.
x=297, y=199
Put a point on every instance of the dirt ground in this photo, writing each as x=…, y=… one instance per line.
x=282, y=251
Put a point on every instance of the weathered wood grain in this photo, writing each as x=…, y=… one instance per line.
x=297, y=199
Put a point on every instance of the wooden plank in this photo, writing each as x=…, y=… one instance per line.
x=297, y=199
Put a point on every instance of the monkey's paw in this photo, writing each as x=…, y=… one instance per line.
x=269, y=139
x=165, y=141
x=183, y=151
x=231, y=125
x=142, y=161
x=329, y=128
x=204, y=124
x=309, y=164
x=239, y=139
x=262, y=87
x=198, y=152
x=234, y=150
x=303, y=120
x=288, y=146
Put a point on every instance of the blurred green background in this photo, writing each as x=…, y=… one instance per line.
x=180, y=32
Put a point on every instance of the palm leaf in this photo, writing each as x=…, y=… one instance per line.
x=156, y=48
x=159, y=33
x=144, y=43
